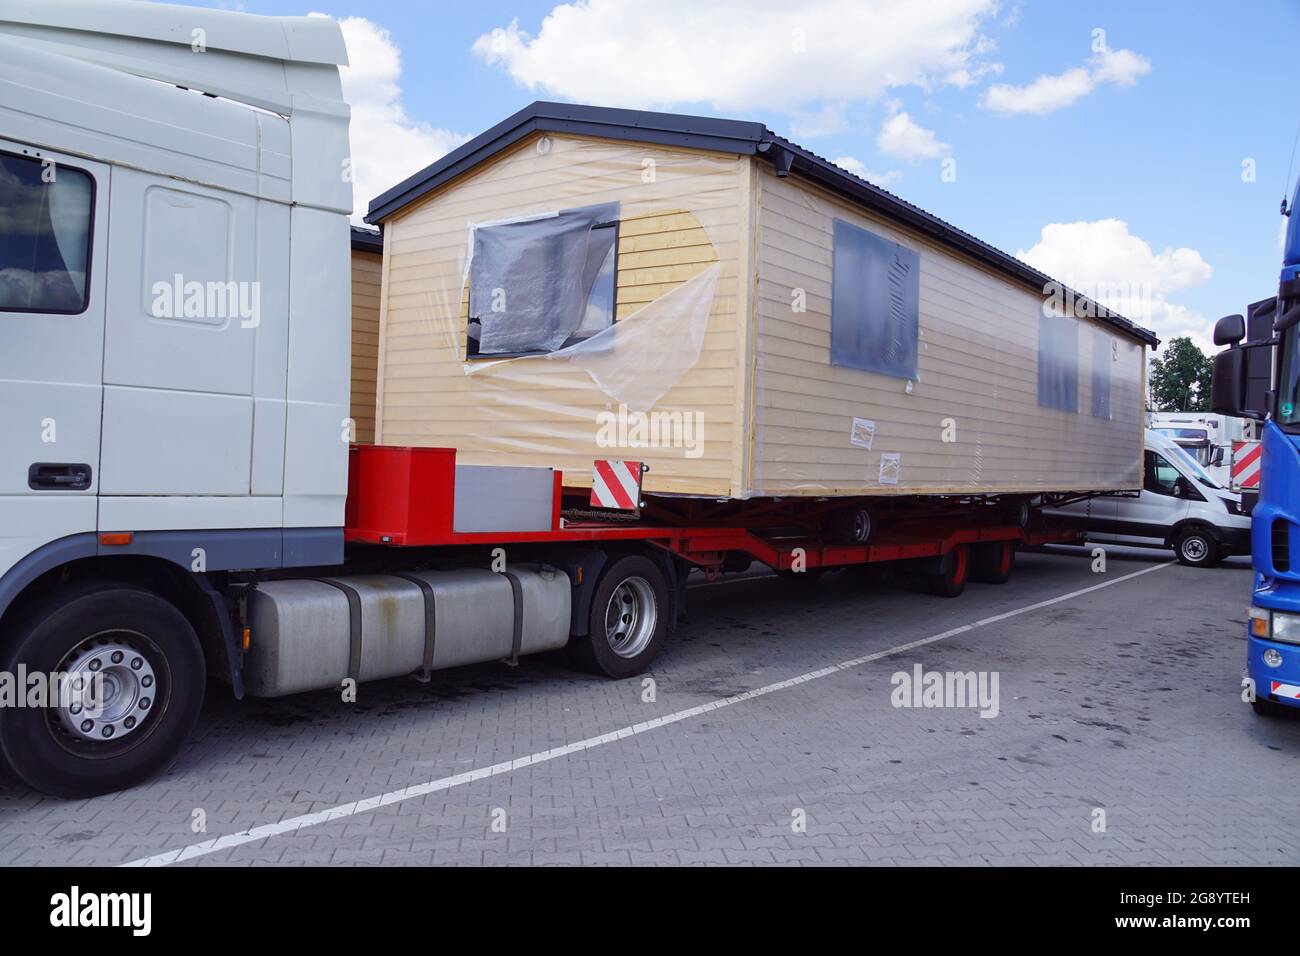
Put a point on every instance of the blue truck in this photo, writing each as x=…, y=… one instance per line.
x=1273, y=346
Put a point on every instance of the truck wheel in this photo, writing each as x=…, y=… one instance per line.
x=144, y=655
x=1269, y=708
x=629, y=619
x=1197, y=548
x=992, y=561
x=954, y=570
x=853, y=525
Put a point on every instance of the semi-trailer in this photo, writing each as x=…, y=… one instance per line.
x=183, y=495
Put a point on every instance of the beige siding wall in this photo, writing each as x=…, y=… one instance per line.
x=977, y=361
x=366, y=270
x=681, y=218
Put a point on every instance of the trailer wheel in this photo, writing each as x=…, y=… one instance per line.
x=954, y=570
x=1197, y=548
x=853, y=525
x=144, y=655
x=629, y=619
x=992, y=561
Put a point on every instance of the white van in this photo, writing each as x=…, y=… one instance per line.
x=1180, y=507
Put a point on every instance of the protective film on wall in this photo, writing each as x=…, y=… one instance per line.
x=573, y=299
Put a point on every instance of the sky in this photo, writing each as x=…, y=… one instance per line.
x=1137, y=151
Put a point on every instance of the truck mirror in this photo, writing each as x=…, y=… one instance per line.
x=1229, y=330
x=1216, y=458
x=1287, y=319
x=1228, y=383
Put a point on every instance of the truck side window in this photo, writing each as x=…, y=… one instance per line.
x=45, y=228
x=1160, y=477
x=875, y=302
x=542, y=283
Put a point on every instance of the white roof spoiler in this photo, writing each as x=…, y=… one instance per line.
x=290, y=39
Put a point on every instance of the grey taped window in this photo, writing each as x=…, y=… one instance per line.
x=875, y=292
x=45, y=229
x=1058, y=362
x=540, y=284
x=1101, y=363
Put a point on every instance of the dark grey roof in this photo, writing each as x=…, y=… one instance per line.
x=367, y=240
x=722, y=135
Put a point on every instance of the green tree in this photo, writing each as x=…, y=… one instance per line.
x=1180, y=379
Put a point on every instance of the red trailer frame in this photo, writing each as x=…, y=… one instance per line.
x=405, y=497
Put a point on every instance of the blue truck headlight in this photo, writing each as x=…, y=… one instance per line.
x=1272, y=657
x=1286, y=627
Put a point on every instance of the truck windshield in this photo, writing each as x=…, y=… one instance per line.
x=1288, y=391
x=1185, y=461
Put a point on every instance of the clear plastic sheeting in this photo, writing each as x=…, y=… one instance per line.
x=532, y=279
x=996, y=397
x=574, y=299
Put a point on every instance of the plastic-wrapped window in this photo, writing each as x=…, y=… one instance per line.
x=540, y=283
x=1058, y=362
x=1101, y=362
x=875, y=290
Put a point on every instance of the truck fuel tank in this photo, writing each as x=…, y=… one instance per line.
x=313, y=633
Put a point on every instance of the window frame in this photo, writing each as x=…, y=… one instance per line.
x=90, y=238
x=476, y=356
x=863, y=365
x=1156, y=458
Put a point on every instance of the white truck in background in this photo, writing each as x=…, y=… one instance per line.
x=1209, y=439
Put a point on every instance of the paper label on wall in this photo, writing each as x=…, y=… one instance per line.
x=864, y=430
x=891, y=463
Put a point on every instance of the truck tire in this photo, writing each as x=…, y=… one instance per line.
x=992, y=561
x=1197, y=547
x=853, y=525
x=951, y=577
x=153, y=676
x=629, y=619
x=1264, y=707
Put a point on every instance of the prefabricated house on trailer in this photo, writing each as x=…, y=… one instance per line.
x=742, y=315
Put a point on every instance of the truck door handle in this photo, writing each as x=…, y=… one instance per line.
x=58, y=476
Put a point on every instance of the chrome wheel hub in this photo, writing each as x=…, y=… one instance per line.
x=107, y=691
x=631, y=617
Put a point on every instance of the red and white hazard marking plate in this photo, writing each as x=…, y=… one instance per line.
x=1284, y=690
x=616, y=484
x=1246, y=458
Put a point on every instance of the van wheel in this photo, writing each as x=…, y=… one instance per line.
x=992, y=561
x=145, y=665
x=629, y=619
x=1197, y=548
x=954, y=570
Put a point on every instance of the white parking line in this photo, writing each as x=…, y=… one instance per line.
x=294, y=824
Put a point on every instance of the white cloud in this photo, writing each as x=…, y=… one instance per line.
x=1052, y=92
x=387, y=145
x=854, y=165
x=903, y=138
x=1104, y=260
x=741, y=54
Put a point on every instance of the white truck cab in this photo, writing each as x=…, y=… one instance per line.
x=1180, y=506
x=174, y=285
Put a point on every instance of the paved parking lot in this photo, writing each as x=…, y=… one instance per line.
x=1119, y=705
